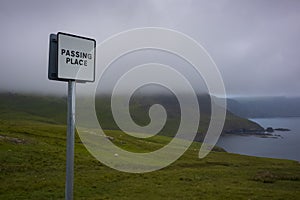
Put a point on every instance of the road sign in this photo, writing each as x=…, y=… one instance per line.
x=71, y=57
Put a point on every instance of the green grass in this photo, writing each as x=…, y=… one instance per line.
x=33, y=149
x=33, y=167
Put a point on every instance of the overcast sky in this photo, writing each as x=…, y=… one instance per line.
x=255, y=44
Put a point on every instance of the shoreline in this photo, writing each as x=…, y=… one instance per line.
x=264, y=133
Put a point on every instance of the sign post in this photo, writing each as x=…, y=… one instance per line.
x=71, y=58
x=70, y=140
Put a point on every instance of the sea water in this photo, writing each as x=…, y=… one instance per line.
x=287, y=146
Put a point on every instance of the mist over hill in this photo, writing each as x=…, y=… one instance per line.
x=54, y=109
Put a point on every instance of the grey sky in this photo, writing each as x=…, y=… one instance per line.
x=255, y=44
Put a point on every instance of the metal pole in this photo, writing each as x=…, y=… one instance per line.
x=70, y=140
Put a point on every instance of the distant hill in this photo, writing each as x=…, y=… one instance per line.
x=265, y=107
x=33, y=107
x=54, y=109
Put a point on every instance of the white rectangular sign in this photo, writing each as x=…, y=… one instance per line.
x=75, y=57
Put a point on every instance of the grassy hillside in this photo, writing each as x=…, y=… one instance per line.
x=139, y=107
x=53, y=110
x=40, y=108
x=32, y=164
